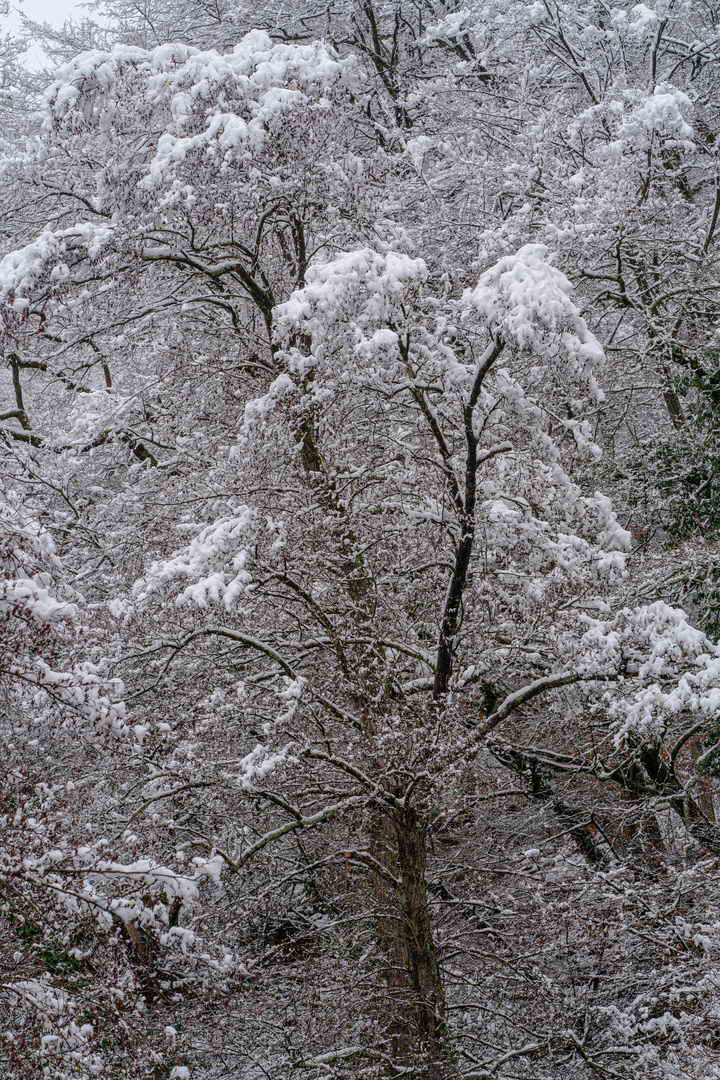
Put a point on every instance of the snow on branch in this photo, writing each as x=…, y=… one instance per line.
x=225, y=105
x=45, y=262
x=526, y=300
x=204, y=562
x=362, y=289
x=676, y=666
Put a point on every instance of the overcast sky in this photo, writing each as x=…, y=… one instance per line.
x=52, y=11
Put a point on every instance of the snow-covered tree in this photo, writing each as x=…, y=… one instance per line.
x=349, y=729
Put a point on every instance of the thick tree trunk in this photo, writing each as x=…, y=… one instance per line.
x=416, y=1023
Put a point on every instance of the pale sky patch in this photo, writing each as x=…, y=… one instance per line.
x=55, y=12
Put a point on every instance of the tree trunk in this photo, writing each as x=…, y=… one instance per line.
x=417, y=1024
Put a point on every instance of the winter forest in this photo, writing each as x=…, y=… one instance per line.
x=360, y=541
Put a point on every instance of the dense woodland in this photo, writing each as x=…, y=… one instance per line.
x=359, y=542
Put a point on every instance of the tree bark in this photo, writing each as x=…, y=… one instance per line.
x=417, y=1026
